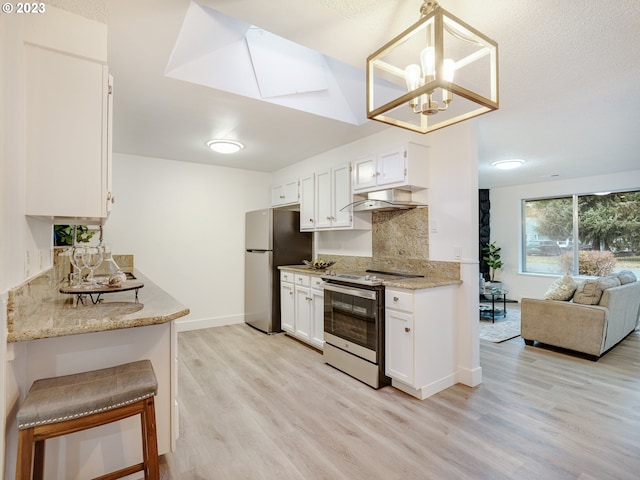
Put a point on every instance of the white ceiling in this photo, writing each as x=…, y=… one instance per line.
x=569, y=83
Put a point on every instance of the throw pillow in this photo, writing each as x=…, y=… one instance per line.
x=625, y=276
x=561, y=289
x=590, y=291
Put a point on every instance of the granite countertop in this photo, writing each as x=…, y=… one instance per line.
x=428, y=281
x=302, y=269
x=38, y=310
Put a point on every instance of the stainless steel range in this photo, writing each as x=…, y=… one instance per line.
x=354, y=324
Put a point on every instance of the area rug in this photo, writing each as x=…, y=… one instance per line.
x=504, y=328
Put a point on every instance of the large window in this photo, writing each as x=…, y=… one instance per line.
x=582, y=234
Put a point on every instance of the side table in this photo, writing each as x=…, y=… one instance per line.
x=491, y=312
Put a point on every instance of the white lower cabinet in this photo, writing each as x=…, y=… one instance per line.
x=317, y=305
x=287, y=304
x=302, y=307
x=420, y=342
x=399, y=346
x=303, y=313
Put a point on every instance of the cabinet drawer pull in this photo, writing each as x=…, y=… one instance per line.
x=407, y=329
x=395, y=299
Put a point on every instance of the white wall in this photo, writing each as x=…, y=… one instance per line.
x=184, y=224
x=506, y=223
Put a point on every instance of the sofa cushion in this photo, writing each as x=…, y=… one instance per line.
x=590, y=291
x=625, y=276
x=562, y=289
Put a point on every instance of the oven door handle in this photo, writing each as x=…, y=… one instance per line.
x=356, y=292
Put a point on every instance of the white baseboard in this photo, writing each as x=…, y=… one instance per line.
x=470, y=378
x=426, y=390
x=198, y=324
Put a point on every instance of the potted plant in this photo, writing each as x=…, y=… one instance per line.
x=491, y=255
x=63, y=234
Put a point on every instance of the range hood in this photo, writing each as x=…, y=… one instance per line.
x=390, y=199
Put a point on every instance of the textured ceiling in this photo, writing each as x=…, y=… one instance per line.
x=569, y=76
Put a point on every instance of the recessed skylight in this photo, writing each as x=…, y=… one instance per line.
x=508, y=164
x=224, y=53
x=225, y=146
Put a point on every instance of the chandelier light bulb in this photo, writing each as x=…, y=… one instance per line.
x=448, y=70
x=412, y=76
x=428, y=61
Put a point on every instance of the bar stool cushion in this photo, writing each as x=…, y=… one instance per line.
x=57, y=399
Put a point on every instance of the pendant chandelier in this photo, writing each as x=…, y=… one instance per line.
x=438, y=72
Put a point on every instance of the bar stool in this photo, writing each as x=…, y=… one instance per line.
x=67, y=404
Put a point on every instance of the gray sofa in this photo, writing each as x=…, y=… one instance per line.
x=590, y=329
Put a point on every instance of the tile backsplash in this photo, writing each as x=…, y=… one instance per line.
x=401, y=234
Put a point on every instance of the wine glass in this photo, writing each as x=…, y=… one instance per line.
x=75, y=258
x=92, y=258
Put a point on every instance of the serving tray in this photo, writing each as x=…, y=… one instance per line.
x=80, y=291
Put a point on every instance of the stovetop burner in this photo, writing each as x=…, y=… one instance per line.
x=368, y=277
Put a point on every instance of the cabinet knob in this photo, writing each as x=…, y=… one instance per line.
x=311, y=220
x=407, y=329
x=395, y=299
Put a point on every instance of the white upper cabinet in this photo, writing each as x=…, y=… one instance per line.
x=400, y=167
x=364, y=172
x=68, y=123
x=285, y=193
x=332, y=194
x=307, y=203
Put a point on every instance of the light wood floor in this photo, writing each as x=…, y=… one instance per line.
x=254, y=406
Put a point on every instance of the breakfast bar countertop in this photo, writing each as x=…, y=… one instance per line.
x=38, y=310
x=428, y=281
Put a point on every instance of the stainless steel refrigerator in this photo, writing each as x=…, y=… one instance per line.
x=272, y=238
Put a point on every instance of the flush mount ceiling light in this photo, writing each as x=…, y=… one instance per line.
x=438, y=72
x=225, y=146
x=508, y=164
